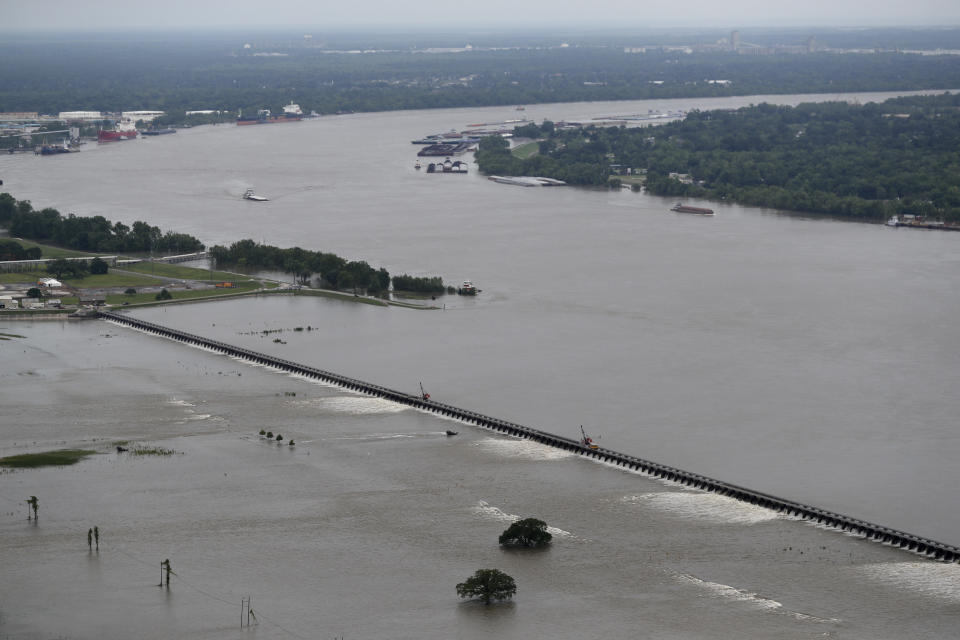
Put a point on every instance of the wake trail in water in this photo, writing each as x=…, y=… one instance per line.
x=749, y=598
x=484, y=510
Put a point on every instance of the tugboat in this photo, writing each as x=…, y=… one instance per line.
x=249, y=195
x=586, y=441
x=467, y=289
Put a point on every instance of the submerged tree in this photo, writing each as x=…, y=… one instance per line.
x=528, y=532
x=488, y=585
x=34, y=504
x=165, y=570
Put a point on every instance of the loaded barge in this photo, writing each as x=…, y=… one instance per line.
x=919, y=222
x=682, y=208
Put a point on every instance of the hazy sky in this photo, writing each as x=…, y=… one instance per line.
x=319, y=15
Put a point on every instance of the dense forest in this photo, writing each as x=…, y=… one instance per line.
x=96, y=233
x=864, y=161
x=218, y=72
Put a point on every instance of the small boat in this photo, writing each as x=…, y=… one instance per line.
x=51, y=150
x=586, y=441
x=250, y=195
x=451, y=432
x=416, y=165
x=682, y=208
x=423, y=394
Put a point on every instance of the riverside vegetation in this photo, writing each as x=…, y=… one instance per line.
x=97, y=234
x=216, y=71
x=859, y=161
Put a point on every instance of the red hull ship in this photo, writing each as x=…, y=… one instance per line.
x=113, y=136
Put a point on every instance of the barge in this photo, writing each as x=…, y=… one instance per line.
x=682, y=208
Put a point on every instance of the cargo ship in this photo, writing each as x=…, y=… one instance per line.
x=291, y=113
x=682, y=208
x=116, y=134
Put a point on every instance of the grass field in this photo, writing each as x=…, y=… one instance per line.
x=46, y=458
x=184, y=273
x=89, y=282
x=526, y=150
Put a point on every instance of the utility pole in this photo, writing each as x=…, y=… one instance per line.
x=246, y=612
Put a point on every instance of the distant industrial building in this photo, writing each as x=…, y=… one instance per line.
x=146, y=116
x=19, y=116
x=80, y=116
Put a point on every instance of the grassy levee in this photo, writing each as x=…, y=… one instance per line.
x=57, y=458
x=336, y=295
x=50, y=251
x=26, y=314
x=241, y=288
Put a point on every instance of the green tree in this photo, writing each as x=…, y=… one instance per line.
x=34, y=292
x=528, y=532
x=98, y=266
x=59, y=266
x=164, y=295
x=488, y=585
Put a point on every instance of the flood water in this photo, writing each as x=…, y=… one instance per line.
x=809, y=358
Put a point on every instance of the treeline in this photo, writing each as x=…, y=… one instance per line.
x=334, y=272
x=418, y=285
x=13, y=250
x=863, y=161
x=175, y=76
x=89, y=233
